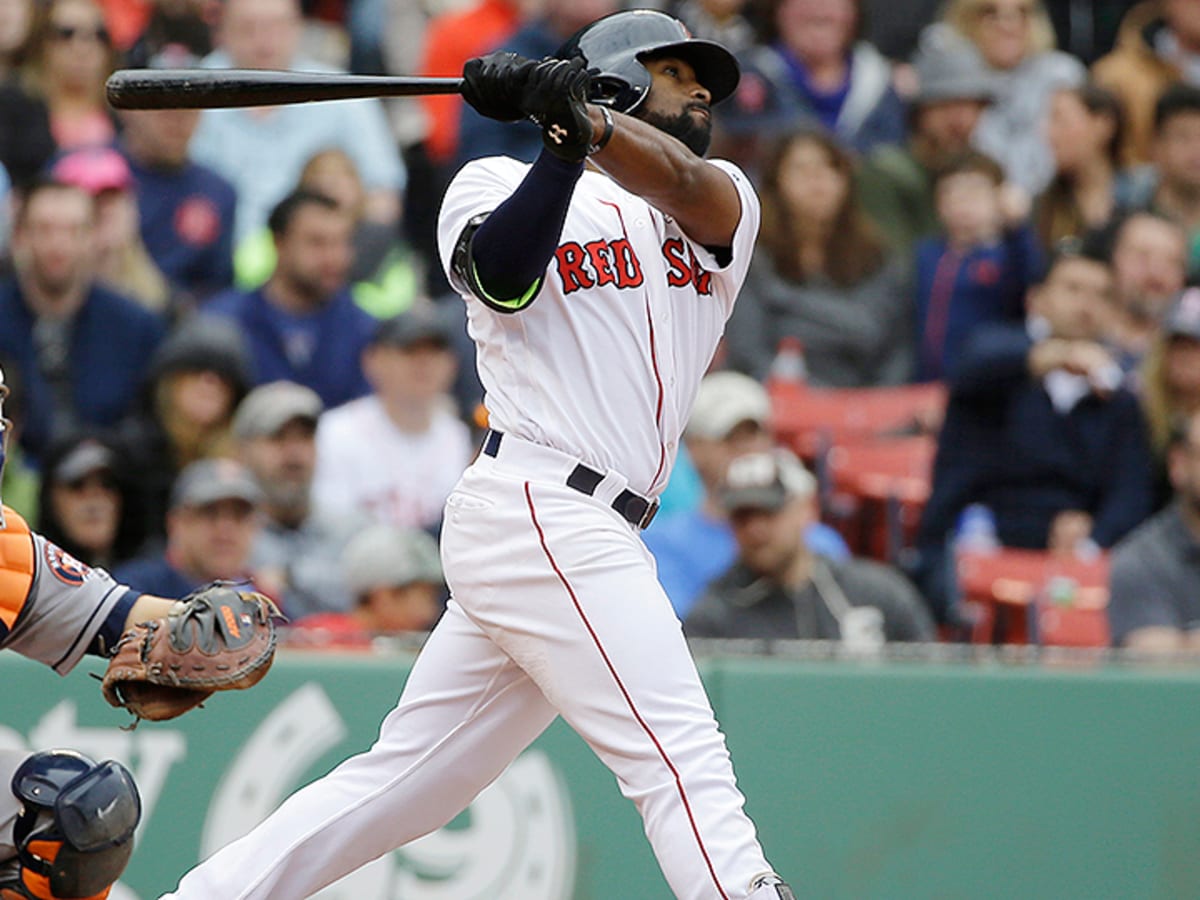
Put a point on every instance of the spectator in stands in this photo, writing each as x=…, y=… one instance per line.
x=1014, y=46
x=303, y=325
x=395, y=577
x=122, y=260
x=295, y=555
x=186, y=210
x=262, y=150
x=1153, y=603
x=383, y=276
x=72, y=56
x=779, y=588
x=196, y=380
x=821, y=274
x=408, y=421
x=1149, y=260
x=1084, y=129
x=814, y=69
x=557, y=21
x=1158, y=45
x=980, y=266
x=62, y=326
x=1171, y=379
x=1040, y=430
x=1172, y=185
x=452, y=38
x=88, y=503
x=25, y=140
x=16, y=30
x=722, y=21
x=175, y=35
x=211, y=526
x=19, y=481
x=895, y=183
x=692, y=546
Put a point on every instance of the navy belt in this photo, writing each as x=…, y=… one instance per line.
x=633, y=508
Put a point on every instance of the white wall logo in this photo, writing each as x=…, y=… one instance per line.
x=516, y=841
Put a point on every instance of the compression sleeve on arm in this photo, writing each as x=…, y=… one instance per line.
x=507, y=254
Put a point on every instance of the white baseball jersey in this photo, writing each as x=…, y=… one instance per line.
x=605, y=363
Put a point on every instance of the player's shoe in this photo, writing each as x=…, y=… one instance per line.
x=769, y=886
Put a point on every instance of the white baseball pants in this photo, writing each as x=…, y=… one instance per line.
x=556, y=610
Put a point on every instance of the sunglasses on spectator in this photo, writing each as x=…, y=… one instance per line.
x=95, y=479
x=67, y=33
x=995, y=12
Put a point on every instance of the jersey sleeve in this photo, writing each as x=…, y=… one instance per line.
x=478, y=188
x=67, y=605
x=744, y=237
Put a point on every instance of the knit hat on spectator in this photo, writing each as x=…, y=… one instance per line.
x=209, y=481
x=724, y=401
x=1183, y=316
x=205, y=344
x=95, y=169
x=948, y=70
x=269, y=407
x=766, y=480
x=387, y=556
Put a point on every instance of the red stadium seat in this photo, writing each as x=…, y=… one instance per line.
x=875, y=491
x=1068, y=595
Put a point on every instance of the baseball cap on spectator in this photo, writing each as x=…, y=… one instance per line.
x=387, y=556
x=766, y=480
x=269, y=407
x=1183, y=316
x=724, y=401
x=83, y=459
x=209, y=481
x=95, y=169
x=413, y=327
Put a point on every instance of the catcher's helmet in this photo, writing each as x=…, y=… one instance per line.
x=87, y=810
x=615, y=46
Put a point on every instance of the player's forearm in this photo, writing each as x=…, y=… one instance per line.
x=147, y=607
x=658, y=167
x=513, y=246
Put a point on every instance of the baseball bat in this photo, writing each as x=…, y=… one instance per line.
x=214, y=88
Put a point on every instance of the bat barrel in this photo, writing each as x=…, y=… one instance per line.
x=215, y=88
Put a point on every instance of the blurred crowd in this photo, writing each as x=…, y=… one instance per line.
x=233, y=353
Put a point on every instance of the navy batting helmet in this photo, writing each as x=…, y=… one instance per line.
x=615, y=46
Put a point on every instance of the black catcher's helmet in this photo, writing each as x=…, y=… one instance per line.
x=615, y=46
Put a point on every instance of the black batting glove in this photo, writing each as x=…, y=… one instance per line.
x=494, y=84
x=555, y=96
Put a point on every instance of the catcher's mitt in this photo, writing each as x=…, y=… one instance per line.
x=216, y=639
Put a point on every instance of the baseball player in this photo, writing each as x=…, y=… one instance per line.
x=66, y=821
x=598, y=281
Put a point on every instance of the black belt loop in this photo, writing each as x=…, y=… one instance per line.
x=491, y=443
x=634, y=509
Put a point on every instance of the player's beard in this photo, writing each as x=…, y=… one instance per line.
x=695, y=135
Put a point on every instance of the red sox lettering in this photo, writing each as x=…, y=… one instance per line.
x=614, y=262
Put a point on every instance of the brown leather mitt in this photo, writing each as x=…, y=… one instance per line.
x=216, y=639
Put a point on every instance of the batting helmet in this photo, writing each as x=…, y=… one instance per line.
x=615, y=47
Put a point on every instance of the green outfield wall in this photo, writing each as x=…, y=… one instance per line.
x=867, y=780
